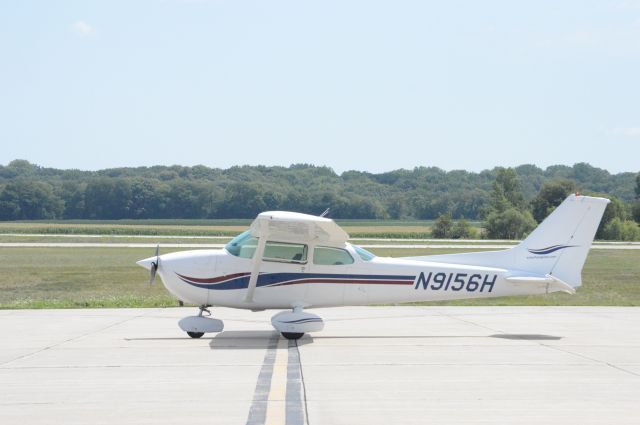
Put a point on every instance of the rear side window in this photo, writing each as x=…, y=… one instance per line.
x=324, y=255
x=285, y=252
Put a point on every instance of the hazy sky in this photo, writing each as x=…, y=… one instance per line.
x=353, y=85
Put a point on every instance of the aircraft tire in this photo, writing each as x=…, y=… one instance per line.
x=292, y=335
x=195, y=334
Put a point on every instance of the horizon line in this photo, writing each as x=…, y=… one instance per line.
x=316, y=166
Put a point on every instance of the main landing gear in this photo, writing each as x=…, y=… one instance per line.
x=291, y=324
x=197, y=326
x=294, y=324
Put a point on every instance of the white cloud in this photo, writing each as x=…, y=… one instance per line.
x=82, y=29
x=626, y=131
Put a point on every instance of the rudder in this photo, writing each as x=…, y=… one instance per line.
x=560, y=244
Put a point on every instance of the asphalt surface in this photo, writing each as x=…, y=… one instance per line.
x=371, y=365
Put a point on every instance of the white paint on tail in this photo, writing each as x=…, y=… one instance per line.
x=556, y=249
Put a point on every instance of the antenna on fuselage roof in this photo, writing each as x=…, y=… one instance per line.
x=325, y=212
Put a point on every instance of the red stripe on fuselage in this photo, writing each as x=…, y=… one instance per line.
x=213, y=279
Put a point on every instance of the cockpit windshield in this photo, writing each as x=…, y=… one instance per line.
x=363, y=253
x=244, y=245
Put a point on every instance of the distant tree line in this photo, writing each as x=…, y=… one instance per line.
x=511, y=198
x=509, y=215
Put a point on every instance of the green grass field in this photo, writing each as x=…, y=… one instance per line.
x=226, y=222
x=109, y=277
x=356, y=228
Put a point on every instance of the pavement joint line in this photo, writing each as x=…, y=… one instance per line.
x=296, y=410
x=304, y=385
x=258, y=409
x=553, y=347
x=278, y=398
x=129, y=366
x=75, y=338
x=276, y=408
x=621, y=369
x=451, y=316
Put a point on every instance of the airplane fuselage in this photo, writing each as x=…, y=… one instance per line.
x=214, y=277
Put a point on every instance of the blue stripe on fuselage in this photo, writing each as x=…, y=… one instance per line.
x=270, y=279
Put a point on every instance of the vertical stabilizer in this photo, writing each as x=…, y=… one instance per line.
x=557, y=247
x=560, y=244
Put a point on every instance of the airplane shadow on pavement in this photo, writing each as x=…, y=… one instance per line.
x=253, y=340
x=527, y=337
x=249, y=340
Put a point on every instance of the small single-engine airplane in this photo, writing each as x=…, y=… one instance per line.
x=295, y=261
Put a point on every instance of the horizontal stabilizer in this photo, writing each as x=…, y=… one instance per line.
x=552, y=283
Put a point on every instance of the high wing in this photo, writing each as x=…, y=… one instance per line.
x=284, y=226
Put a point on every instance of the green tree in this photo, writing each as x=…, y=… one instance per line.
x=463, y=230
x=242, y=200
x=509, y=224
x=28, y=199
x=508, y=217
x=506, y=191
x=635, y=209
x=442, y=227
x=192, y=199
x=620, y=230
x=551, y=195
x=108, y=198
x=73, y=196
x=203, y=192
x=615, y=209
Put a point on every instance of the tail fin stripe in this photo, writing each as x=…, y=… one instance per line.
x=550, y=249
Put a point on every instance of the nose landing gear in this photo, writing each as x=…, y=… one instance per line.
x=197, y=326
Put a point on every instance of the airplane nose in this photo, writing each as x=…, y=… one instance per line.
x=146, y=263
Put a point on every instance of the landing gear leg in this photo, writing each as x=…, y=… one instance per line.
x=204, y=308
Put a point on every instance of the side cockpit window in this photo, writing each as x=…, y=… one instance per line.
x=324, y=255
x=245, y=245
x=285, y=252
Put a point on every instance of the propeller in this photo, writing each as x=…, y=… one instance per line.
x=154, y=266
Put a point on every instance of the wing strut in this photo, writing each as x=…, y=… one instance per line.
x=255, y=271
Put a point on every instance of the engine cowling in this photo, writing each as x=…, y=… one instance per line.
x=297, y=322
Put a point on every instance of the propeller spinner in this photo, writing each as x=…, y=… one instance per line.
x=154, y=266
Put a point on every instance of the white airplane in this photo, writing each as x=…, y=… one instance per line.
x=296, y=261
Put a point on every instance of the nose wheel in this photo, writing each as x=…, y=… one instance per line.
x=197, y=326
